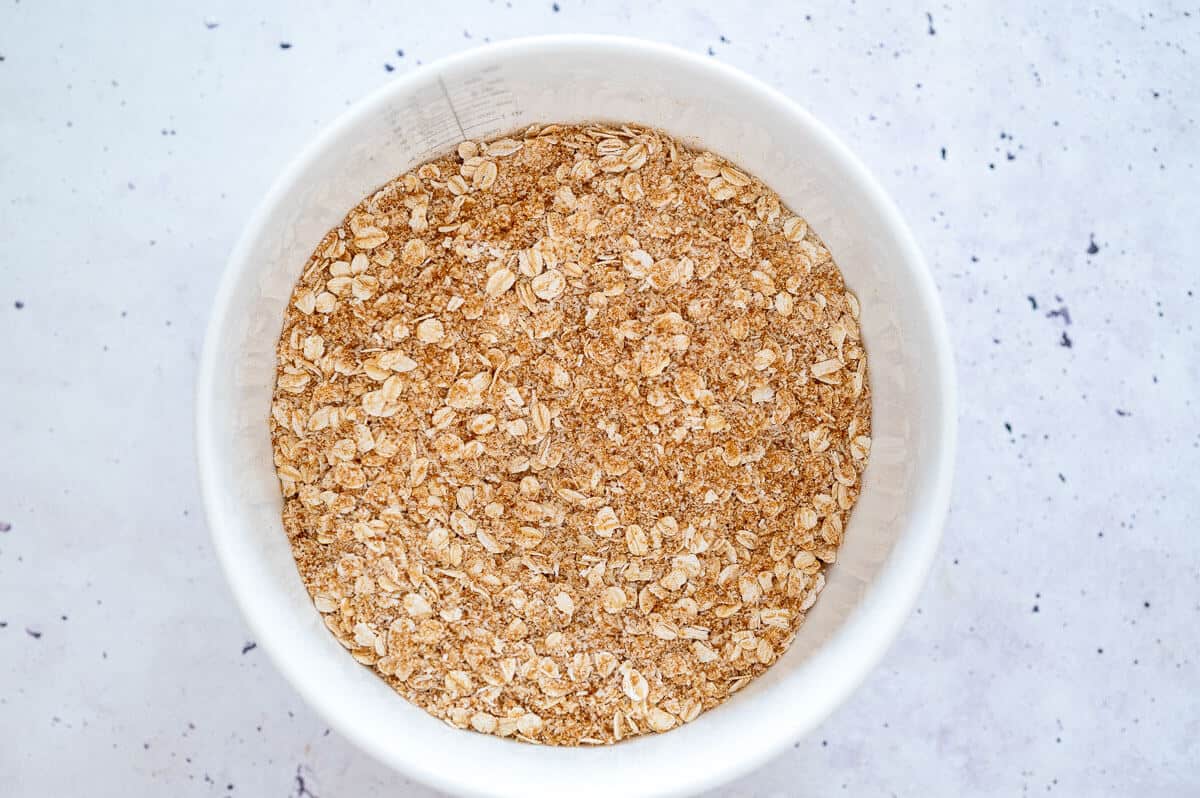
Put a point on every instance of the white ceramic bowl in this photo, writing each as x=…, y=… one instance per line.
x=893, y=532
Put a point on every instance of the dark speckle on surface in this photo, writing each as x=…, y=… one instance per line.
x=211, y=24
x=1092, y=248
x=1032, y=302
x=929, y=18
x=1060, y=313
x=1008, y=426
x=1065, y=341
x=250, y=646
x=18, y=304
x=943, y=153
x=399, y=53
x=34, y=633
x=1123, y=413
x=5, y=526
x=389, y=67
x=554, y=7
x=285, y=45
x=711, y=51
x=1035, y=608
x=302, y=788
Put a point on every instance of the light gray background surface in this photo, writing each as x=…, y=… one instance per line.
x=1046, y=157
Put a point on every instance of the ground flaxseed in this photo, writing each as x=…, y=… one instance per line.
x=568, y=426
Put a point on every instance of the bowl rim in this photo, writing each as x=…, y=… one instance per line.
x=909, y=563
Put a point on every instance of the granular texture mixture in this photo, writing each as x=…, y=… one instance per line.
x=568, y=426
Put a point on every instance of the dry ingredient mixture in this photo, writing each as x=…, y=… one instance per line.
x=568, y=426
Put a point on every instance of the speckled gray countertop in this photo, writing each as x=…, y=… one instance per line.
x=1045, y=155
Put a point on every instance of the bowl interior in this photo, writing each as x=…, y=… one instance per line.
x=893, y=530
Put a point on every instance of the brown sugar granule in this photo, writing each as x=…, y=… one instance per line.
x=568, y=426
